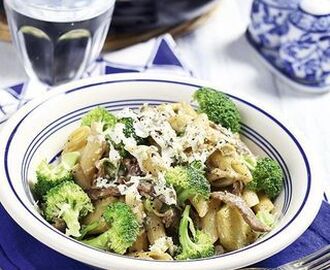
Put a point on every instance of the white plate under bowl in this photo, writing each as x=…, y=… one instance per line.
x=39, y=129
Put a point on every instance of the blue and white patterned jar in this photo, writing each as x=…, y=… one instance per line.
x=293, y=36
x=269, y=21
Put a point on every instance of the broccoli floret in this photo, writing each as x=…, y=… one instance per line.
x=266, y=218
x=120, y=147
x=267, y=176
x=219, y=108
x=85, y=229
x=100, y=115
x=49, y=175
x=69, y=202
x=129, y=130
x=189, y=182
x=198, y=165
x=123, y=232
x=200, y=246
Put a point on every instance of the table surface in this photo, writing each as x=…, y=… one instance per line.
x=218, y=52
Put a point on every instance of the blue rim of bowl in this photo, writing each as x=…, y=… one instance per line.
x=85, y=87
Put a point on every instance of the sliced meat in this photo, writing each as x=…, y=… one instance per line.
x=121, y=180
x=131, y=167
x=145, y=188
x=238, y=187
x=248, y=215
x=171, y=218
x=222, y=183
x=100, y=193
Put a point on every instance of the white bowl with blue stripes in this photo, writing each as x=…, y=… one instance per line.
x=39, y=129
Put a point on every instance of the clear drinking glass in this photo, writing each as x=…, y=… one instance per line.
x=58, y=39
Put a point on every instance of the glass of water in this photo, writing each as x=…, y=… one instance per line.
x=58, y=39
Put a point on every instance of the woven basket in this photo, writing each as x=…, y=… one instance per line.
x=116, y=41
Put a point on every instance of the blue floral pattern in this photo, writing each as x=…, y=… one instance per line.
x=269, y=21
x=294, y=41
x=310, y=23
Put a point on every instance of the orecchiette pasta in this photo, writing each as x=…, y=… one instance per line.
x=265, y=204
x=233, y=231
x=250, y=197
x=179, y=122
x=77, y=139
x=209, y=221
x=141, y=243
x=150, y=159
x=228, y=166
x=92, y=153
x=184, y=108
x=201, y=206
x=154, y=227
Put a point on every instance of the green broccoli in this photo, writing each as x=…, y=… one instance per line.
x=129, y=130
x=189, y=182
x=198, y=165
x=250, y=161
x=85, y=229
x=123, y=232
x=69, y=202
x=266, y=218
x=219, y=108
x=200, y=246
x=267, y=176
x=101, y=115
x=49, y=175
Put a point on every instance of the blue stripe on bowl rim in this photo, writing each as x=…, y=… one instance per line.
x=87, y=87
x=75, y=116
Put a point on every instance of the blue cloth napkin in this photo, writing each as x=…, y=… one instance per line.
x=314, y=238
x=20, y=251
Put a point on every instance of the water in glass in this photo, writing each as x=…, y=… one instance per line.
x=58, y=39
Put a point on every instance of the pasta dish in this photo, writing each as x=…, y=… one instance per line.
x=166, y=182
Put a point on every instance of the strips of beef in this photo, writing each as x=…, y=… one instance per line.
x=145, y=188
x=237, y=202
x=100, y=193
x=130, y=167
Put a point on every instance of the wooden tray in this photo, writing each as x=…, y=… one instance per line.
x=115, y=41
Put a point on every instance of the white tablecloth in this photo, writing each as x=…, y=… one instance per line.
x=218, y=52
